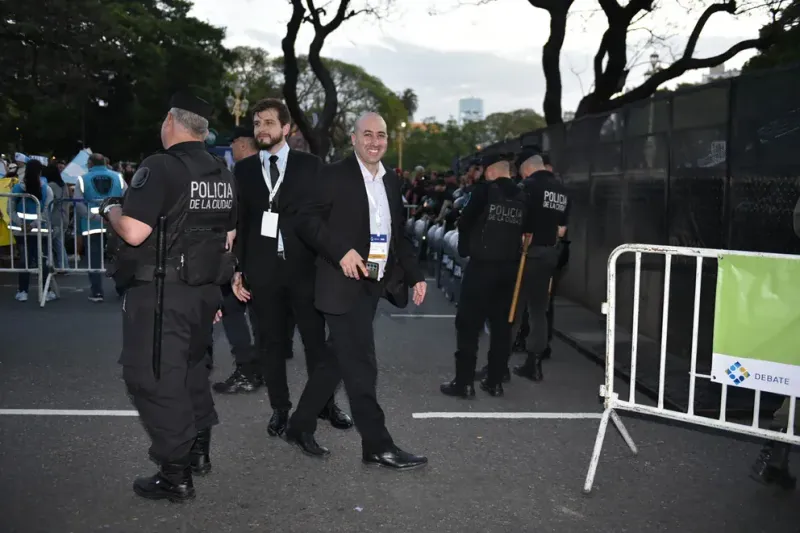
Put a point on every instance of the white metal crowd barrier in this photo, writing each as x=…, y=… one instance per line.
x=73, y=211
x=34, y=225
x=613, y=403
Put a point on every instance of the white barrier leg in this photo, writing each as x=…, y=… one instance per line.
x=598, y=447
x=46, y=290
x=624, y=432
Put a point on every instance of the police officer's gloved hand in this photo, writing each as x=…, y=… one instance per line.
x=107, y=203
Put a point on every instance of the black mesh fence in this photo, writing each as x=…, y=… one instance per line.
x=715, y=166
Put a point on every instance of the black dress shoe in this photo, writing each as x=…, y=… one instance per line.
x=173, y=482
x=493, y=390
x=277, y=423
x=200, y=454
x=483, y=372
x=306, y=442
x=452, y=388
x=338, y=418
x=395, y=459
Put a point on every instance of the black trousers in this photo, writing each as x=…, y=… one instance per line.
x=525, y=327
x=352, y=359
x=234, y=321
x=534, y=295
x=174, y=408
x=277, y=304
x=486, y=294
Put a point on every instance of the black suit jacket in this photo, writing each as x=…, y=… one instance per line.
x=336, y=220
x=257, y=254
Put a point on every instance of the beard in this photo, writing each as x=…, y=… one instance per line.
x=269, y=143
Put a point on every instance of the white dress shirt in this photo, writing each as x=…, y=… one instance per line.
x=380, y=216
x=283, y=157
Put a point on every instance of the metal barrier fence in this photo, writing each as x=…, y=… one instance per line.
x=79, y=218
x=711, y=166
x=613, y=403
x=33, y=225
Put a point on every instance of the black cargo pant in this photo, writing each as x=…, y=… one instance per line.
x=534, y=296
x=174, y=408
x=486, y=294
x=234, y=321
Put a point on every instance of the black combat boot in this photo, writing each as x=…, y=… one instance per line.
x=463, y=386
x=483, y=372
x=240, y=381
x=200, y=455
x=173, y=482
x=532, y=369
x=772, y=465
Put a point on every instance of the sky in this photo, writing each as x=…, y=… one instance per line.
x=447, y=49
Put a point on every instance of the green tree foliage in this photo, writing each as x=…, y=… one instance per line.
x=436, y=145
x=357, y=92
x=500, y=126
x=783, y=34
x=102, y=72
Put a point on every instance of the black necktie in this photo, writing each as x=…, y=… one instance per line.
x=274, y=173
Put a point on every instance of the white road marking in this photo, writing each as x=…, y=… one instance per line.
x=540, y=416
x=413, y=315
x=67, y=412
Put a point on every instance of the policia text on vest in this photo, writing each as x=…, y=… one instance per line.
x=210, y=196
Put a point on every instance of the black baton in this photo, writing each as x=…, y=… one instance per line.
x=161, y=268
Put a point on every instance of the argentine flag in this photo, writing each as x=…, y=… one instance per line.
x=77, y=167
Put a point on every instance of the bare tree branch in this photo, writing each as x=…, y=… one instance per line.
x=679, y=68
x=291, y=73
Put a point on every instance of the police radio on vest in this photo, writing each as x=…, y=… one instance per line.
x=215, y=195
x=555, y=200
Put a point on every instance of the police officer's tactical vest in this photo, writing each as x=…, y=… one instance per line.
x=498, y=234
x=197, y=228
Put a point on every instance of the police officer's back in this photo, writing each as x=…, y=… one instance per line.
x=490, y=234
x=546, y=223
x=189, y=193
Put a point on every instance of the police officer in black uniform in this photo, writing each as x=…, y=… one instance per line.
x=490, y=234
x=184, y=198
x=546, y=223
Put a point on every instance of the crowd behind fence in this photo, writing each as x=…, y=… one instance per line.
x=713, y=166
x=74, y=241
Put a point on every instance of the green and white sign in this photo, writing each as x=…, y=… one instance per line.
x=757, y=324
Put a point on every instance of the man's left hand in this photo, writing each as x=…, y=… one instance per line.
x=419, y=292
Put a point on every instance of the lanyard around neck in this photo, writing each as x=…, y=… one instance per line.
x=273, y=190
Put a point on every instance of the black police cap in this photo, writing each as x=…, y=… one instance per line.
x=188, y=102
x=242, y=131
x=491, y=159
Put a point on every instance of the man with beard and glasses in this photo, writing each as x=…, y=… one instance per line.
x=277, y=268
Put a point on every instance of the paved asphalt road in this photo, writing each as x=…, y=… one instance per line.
x=64, y=474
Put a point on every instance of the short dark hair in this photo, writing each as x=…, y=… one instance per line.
x=97, y=160
x=273, y=103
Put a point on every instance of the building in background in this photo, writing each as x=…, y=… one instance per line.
x=470, y=110
x=719, y=73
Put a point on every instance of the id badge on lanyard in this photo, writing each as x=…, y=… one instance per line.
x=378, y=254
x=269, y=219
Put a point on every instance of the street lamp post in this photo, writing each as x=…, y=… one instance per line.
x=400, y=138
x=237, y=104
